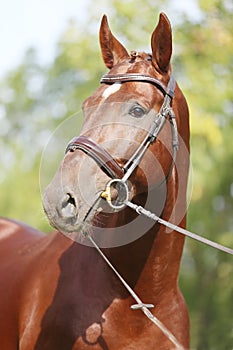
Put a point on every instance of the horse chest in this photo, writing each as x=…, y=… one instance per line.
x=90, y=310
x=122, y=330
x=92, y=327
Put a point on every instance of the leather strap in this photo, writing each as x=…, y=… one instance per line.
x=98, y=154
x=122, y=78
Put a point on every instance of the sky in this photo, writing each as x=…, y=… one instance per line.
x=25, y=23
x=40, y=23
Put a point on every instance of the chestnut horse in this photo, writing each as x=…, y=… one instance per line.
x=56, y=291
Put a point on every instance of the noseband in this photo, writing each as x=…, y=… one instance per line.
x=100, y=156
x=104, y=160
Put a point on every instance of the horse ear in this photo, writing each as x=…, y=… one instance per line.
x=112, y=50
x=161, y=44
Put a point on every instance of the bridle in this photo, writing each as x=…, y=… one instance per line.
x=120, y=175
x=107, y=163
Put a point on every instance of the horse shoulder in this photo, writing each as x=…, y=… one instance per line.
x=29, y=272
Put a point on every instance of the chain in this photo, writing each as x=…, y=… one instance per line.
x=154, y=217
x=139, y=304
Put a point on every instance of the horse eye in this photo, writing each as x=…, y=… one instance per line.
x=137, y=111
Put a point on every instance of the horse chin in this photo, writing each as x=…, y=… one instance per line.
x=76, y=227
x=72, y=230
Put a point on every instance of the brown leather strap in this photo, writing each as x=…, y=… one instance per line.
x=121, y=78
x=98, y=154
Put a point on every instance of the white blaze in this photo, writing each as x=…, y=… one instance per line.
x=111, y=90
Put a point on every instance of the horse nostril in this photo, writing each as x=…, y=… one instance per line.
x=69, y=206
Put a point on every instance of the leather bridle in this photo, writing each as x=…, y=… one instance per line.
x=104, y=160
x=119, y=175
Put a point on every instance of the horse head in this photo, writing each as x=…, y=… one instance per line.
x=133, y=124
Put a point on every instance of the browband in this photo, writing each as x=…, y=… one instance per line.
x=122, y=78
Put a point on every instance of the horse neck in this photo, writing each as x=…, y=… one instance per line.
x=154, y=258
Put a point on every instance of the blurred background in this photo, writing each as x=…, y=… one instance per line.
x=50, y=62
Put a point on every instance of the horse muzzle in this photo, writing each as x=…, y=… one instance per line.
x=72, y=203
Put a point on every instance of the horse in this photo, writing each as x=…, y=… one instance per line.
x=56, y=290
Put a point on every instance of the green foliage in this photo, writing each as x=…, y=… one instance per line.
x=35, y=100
